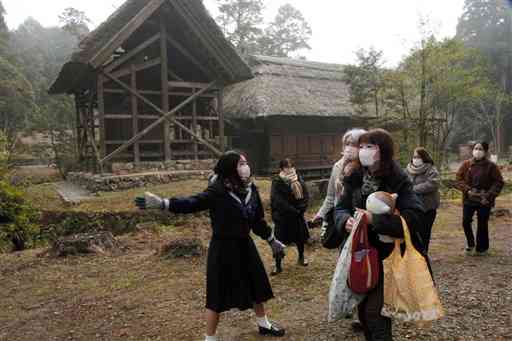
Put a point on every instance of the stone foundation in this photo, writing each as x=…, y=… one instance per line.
x=164, y=166
x=111, y=183
x=132, y=175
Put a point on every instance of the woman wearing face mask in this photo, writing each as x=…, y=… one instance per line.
x=289, y=200
x=379, y=173
x=425, y=179
x=235, y=275
x=480, y=181
x=345, y=166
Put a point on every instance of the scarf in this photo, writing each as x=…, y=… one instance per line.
x=291, y=178
x=413, y=170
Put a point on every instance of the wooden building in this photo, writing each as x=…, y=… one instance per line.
x=148, y=83
x=291, y=108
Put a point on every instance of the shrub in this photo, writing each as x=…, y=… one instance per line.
x=20, y=219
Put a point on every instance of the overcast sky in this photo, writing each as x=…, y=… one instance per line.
x=340, y=27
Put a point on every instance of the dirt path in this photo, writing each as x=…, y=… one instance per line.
x=136, y=296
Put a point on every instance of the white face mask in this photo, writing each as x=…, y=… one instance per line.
x=417, y=162
x=368, y=157
x=244, y=171
x=351, y=152
x=478, y=154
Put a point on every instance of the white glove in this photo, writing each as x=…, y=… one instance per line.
x=151, y=201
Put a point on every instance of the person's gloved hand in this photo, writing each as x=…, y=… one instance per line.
x=277, y=248
x=149, y=201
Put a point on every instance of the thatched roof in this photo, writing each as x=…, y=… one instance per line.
x=289, y=87
x=188, y=22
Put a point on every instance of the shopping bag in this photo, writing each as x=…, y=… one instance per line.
x=364, y=269
x=342, y=300
x=409, y=291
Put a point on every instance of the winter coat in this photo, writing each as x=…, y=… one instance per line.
x=408, y=203
x=288, y=212
x=330, y=198
x=235, y=274
x=426, y=185
x=481, y=175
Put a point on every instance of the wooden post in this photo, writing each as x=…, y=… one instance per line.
x=194, y=126
x=165, y=86
x=101, y=115
x=220, y=111
x=135, y=114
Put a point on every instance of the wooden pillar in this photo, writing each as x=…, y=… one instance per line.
x=101, y=115
x=165, y=86
x=194, y=125
x=135, y=114
x=220, y=111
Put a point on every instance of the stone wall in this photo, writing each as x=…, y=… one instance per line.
x=164, y=166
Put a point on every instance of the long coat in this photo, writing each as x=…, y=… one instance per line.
x=235, y=275
x=288, y=212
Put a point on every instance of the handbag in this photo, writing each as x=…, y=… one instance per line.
x=331, y=237
x=364, y=265
x=342, y=300
x=409, y=291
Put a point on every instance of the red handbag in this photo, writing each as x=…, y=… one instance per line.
x=364, y=269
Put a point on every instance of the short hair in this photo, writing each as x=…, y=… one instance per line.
x=383, y=139
x=286, y=163
x=424, y=155
x=352, y=136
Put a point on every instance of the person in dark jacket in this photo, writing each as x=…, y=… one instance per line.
x=235, y=275
x=379, y=173
x=289, y=200
x=480, y=181
x=425, y=180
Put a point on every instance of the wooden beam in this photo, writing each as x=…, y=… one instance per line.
x=138, y=67
x=190, y=57
x=166, y=116
x=124, y=58
x=174, y=75
x=135, y=113
x=189, y=85
x=120, y=37
x=194, y=125
x=220, y=112
x=101, y=114
x=130, y=116
x=164, y=71
x=157, y=93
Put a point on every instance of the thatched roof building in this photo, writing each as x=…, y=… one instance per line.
x=291, y=108
x=288, y=87
x=151, y=79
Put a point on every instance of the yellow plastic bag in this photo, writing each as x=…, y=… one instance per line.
x=409, y=291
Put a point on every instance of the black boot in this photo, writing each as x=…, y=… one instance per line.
x=277, y=269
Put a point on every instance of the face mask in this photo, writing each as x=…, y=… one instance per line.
x=350, y=152
x=417, y=162
x=244, y=172
x=368, y=157
x=478, y=154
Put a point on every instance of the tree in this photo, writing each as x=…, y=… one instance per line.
x=487, y=26
x=75, y=22
x=288, y=33
x=366, y=80
x=4, y=31
x=241, y=21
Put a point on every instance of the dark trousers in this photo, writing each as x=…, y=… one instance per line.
x=376, y=327
x=426, y=232
x=482, y=232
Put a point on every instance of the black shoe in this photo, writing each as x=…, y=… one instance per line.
x=274, y=330
x=302, y=261
x=276, y=271
x=357, y=326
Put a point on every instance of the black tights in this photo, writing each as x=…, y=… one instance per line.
x=300, y=249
